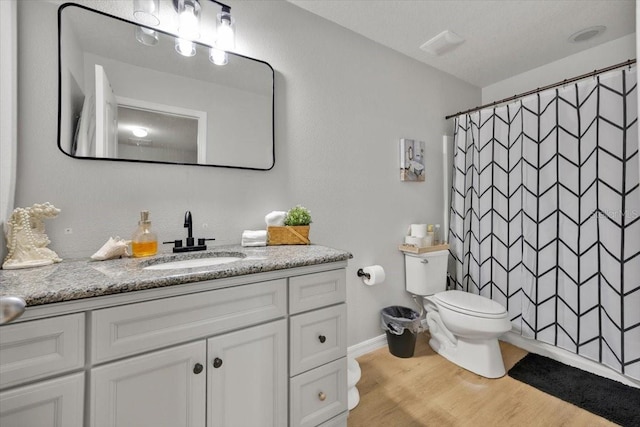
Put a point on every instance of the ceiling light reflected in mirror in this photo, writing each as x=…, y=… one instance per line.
x=218, y=57
x=140, y=132
x=147, y=36
x=185, y=47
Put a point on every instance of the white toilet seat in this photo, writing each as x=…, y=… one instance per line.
x=470, y=304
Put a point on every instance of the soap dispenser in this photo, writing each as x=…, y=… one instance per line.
x=144, y=241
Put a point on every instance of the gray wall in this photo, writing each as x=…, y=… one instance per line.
x=342, y=104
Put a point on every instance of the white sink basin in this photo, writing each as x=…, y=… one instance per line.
x=193, y=263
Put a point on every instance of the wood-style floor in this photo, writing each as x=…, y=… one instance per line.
x=428, y=390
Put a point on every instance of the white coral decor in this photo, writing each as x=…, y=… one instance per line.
x=26, y=239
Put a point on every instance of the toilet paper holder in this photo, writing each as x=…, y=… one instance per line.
x=361, y=273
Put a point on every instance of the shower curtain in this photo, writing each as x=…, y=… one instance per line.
x=545, y=216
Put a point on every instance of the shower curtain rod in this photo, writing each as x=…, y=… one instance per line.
x=593, y=73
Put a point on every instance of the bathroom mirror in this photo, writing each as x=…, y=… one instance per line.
x=120, y=99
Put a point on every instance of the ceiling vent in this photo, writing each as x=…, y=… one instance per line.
x=444, y=42
x=587, y=34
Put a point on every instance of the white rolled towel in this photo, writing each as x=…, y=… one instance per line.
x=275, y=218
x=254, y=238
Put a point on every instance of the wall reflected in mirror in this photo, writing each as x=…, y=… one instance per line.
x=122, y=99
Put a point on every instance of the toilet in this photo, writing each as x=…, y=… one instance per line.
x=464, y=327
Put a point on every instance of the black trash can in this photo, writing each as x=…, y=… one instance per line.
x=401, y=325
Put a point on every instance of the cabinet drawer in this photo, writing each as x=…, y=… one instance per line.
x=41, y=348
x=317, y=290
x=319, y=394
x=317, y=337
x=339, y=421
x=55, y=403
x=131, y=329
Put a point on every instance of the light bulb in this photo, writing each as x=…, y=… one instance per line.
x=185, y=47
x=218, y=57
x=226, y=38
x=189, y=19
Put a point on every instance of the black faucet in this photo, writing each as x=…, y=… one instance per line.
x=190, y=245
x=188, y=224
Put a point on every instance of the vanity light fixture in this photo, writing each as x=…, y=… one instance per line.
x=188, y=18
x=189, y=12
x=226, y=30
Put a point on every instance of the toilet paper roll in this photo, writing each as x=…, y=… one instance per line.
x=418, y=230
x=376, y=275
x=415, y=241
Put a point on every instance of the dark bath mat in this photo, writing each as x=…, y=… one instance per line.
x=609, y=399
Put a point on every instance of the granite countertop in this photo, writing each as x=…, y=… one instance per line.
x=84, y=278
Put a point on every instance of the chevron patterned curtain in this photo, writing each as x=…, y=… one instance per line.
x=545, y=216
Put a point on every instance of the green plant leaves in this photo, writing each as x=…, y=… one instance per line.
x=298, y=215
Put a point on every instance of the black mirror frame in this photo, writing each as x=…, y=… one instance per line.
x=273, y=142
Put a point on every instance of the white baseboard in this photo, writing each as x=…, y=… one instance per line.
x=566, y=357
x=367, y=346
x=375, y=343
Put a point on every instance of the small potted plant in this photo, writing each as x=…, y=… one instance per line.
x=295, y=230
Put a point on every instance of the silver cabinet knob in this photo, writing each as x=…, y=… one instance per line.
x=322, y=396
x=11, y=308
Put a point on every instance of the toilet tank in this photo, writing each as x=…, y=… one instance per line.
x=426, y=274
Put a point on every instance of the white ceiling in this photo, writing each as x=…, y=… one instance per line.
x=503, y=38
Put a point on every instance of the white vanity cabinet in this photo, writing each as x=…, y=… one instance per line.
x=207, y=382
x=258, y=350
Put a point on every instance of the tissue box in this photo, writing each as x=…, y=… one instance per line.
x=288, y=235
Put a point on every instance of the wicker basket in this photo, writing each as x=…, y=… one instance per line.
x=288, y=235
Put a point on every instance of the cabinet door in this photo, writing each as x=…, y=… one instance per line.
x=40, y=348
x=54, y=403
x=247, y=377
x=164, y=388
